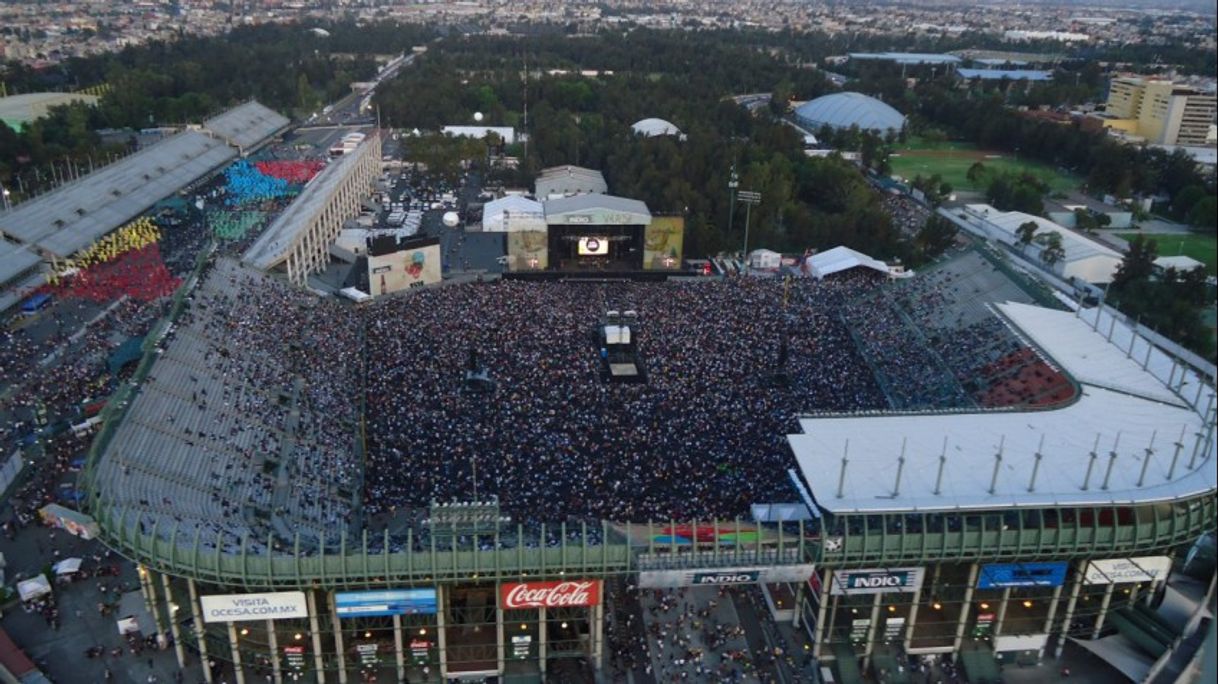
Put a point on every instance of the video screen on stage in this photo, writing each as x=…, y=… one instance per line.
x=663, y=243
x=593, y=246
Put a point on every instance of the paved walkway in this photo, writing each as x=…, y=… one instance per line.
x=694, y=634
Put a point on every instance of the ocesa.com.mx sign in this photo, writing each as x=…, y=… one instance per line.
x=877, y=581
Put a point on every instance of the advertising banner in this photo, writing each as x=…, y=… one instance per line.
x=420, y=650
x=294, y=656
x=392, y=602
x=1123, y=570
x=528, y=251
x=568, y=594
x=860, y=630
x=663, y=243
x=521, y=646
x=1002, y=575
x=656, y=579
x=876, y=581
x=243, y=607
x=403, y=269
x=893, y=627
x=368, y=654
x=984, y=626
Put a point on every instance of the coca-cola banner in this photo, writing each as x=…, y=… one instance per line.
x=565, y=594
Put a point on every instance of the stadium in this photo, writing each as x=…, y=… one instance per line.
x=444, y=484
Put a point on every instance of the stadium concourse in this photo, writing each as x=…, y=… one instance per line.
x=285, y=450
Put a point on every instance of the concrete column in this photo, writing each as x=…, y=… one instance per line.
x=1150, y=593
x=832, y=618
x=1074, y=590
x=541, y=641
x=148, y=589
x=200, y=632
x=799, y=597
x=500, y=647
x=598, y=636
x=818, y=630
x=441, y=630
x=965, y=607
x=1099, y=620
x=338, y=639
x=399, y=655
x=179, y=649
x=872, y=631
x=272, y=642
x=1133, y=594
x=236, y=647
x=1002, y=610
x=1057, y=595
x=913, y=619
x=315, y=632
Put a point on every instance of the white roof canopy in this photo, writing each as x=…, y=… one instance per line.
x=840, y=259
x=1001, y=459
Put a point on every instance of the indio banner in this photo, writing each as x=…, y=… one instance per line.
x=663, y=243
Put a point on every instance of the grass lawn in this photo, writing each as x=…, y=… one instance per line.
x=1203, y=248
x=951, y=160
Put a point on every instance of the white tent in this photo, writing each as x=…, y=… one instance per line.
x=512, y=214
x=650, y=128
x=764, y=259
x=841, y=259
x=33, y=587
x=67, y=566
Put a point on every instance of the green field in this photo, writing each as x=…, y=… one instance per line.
x=1200, y=247
x=951, y=160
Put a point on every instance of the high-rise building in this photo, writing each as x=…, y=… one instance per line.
x=1160, y=111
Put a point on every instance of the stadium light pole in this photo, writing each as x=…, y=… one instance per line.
x=749, y=198
x=733, y=181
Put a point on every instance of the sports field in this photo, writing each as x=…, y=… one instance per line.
x=1203, y=248
x=951, y=160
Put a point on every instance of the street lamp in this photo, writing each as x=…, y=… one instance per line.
x=749, y=198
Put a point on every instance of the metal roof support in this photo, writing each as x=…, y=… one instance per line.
x=997, y=464
x=1036, y=465
x=1176, y=455
x=1111, y=328
x=1150, y=452
x=1146, y=361
x=1112, y=457
x=896, y=490
x=942, y=462
x=841, y=479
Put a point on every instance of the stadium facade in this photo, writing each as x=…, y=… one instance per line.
x=985, y=534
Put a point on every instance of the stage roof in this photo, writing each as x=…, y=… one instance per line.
x=247, y=125
x=1123, y=410
x=73, y=216
x=596, y=209
x=569, y=180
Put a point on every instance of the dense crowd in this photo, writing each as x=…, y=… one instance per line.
x=704, y=437
x=908, y=215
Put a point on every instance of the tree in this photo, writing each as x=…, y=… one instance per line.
x=935, y=236
x=975, y=172
x=1053, y=251
x=1204, y=214
x=1026, y=232
x=1138, y=264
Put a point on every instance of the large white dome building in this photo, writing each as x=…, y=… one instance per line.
x=843, y=110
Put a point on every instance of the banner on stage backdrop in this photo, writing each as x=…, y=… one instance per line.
x=241, y=607
x=876, y=581
x=753, y=574
x=349, y=604
x=1123, y=570
x=1003, y=575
